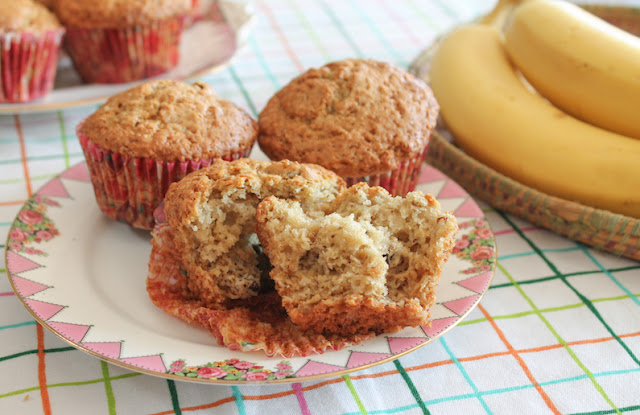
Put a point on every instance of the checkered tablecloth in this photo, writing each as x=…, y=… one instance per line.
x=557, y=332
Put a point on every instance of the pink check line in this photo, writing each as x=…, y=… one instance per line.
x=506, y=231
x=7, y=294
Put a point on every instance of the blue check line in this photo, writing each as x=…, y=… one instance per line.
x=573, y=248
x=610, y=275
x=379, y=35
x=497, y=391
x=239, y=400
x=244, y=91
x=13, y=326
x=263, y=62
x=336, y=22
x=465, y=374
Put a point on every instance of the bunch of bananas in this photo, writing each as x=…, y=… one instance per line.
x=549, y=95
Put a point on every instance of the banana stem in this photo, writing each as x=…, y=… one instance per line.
x=500, y=12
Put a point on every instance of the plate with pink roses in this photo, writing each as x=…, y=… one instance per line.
x=83, y=277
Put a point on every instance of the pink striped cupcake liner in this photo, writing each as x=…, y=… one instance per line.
x=119, y=55
x=28, y=64
x=129, y=189
x=399, y=181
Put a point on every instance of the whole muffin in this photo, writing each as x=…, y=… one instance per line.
x=115, y=41
x=365, y=120
x=145, y=138
x=30, y=36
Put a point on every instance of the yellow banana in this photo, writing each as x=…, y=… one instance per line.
x=498, y=121
x=582, y=64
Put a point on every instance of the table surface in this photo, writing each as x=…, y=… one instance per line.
x=557, y=332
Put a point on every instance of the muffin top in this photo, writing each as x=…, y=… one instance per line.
x=171, y=121
x=117, y=13
x=355, y=117
x=26, y=16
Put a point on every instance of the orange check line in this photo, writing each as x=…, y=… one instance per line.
x=199, y=407
x=408, y=369
x=42, y=375
x=23, y=154
x=519, y=359
x=13, y=203
x=274, y=23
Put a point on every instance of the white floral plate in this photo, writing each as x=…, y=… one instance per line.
x=206, y=47
x=83, y=276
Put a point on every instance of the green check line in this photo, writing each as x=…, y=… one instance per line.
x=22, y=179
x=546, y=310
x=611, y=411
x=354, y=393
x=309, y=28
x=476, y=392
x=245, y=94
x=609, y=274
x=385, y=42
x=36, y=158
x=412, y=387
x=58, y=385
x=111, y=400
x=512, y=389
x=424, y=16
x=175, y=402
x=584, y=299
x=35, y=351
x=334, y=19
x=557, y=336
x=572, y=274
x=63, y=135
x=40, y=140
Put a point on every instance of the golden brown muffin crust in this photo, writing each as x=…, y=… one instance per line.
x=26, y=16
x=211, y=214
x=371, y=263
x=355, y=117
x=172, y=121
x=118, y=13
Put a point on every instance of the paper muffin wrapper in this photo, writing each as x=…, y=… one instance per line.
x=28, y=63
x=256, y=324
x=128, y=189
x=118, y=55
x=399, y=181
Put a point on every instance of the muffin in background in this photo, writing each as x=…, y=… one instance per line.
x=145, y=138
x=49, y=4
x=30, y=37
x=117, y=41
x=365, y=120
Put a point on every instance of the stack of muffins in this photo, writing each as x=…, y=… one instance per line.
x=30, y=38
x=108, y=41
x=279, y=255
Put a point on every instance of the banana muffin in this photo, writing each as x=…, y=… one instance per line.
x=30, y=36
x=370, y=262
x=145, y=138
x=211, y=215
x=365, y=120
x=116, y=41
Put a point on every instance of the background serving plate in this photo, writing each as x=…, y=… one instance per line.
x=206, y=46
x=83, y=277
